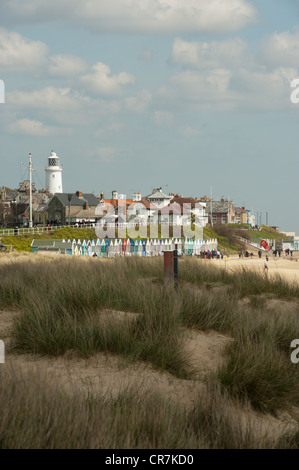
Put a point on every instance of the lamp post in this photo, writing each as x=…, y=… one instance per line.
x=211, y=206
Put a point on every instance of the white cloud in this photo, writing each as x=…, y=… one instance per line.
x=34, y=128
x=49, y=98
x=163, y=118
x=61, y=106
x=63, y=65
x=18, y=53
x=138, y=103
x=149, y=16
x=207, y=86
x=101, y=82
x=263, y=90
x=281, y=50
x=213, y=54
x=221, y=89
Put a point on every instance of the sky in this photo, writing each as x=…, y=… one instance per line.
x=188, y=95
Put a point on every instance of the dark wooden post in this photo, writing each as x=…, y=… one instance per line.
x=171, y=268
x=168, y=267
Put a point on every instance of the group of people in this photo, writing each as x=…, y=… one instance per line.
x=211, y=254
x=276, y=252
x=247, y=254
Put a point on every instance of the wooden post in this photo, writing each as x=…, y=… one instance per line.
x=171, y=268
x=168, y=267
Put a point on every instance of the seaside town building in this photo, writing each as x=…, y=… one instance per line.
x=54, y=206
x=65, y=208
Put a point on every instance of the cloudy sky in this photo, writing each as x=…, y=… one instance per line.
x=137, y=94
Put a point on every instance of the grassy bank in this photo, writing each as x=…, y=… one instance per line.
x=23, y=242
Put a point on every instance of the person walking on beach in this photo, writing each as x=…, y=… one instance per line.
x=266, y=264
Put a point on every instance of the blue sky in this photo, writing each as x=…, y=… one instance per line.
x=137, y=94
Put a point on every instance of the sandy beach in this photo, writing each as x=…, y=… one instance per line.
x=288, y=268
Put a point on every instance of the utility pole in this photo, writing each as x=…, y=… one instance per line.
x=211, y=206
x=69, y=198
x=30, y=192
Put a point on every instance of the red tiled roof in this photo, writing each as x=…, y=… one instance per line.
x=186, y=200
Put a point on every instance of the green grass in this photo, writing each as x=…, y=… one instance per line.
x=223, y=242
x=267, y=232
x=23, y=242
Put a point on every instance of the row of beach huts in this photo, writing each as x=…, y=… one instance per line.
x=109, y=248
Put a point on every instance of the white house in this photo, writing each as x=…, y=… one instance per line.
x=158, y=198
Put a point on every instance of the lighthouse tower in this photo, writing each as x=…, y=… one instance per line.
x=54, y=174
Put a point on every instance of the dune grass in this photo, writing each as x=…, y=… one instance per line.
x=62, y=303
x=64, y=312
x=261, y=374
x=38, y=414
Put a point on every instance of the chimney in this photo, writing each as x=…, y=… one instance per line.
x=136, y=197
x=85, y=207
x=28, y=190
x=79, y=194
x=3, y=193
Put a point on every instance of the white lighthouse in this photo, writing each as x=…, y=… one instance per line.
x=54, y=174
